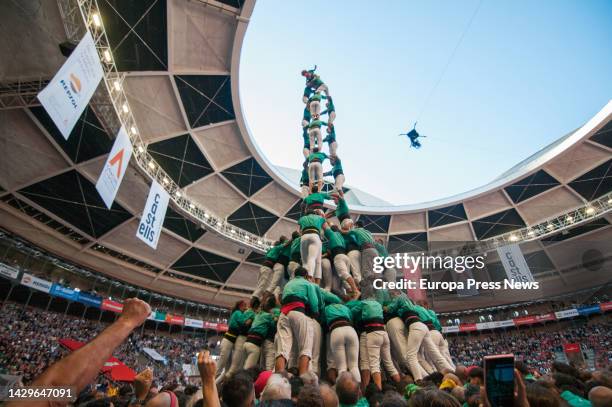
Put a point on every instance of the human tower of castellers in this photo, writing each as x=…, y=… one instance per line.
x=314, y=290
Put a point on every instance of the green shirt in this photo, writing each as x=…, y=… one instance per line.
x=316, y=198
x=334, y=312
x=382, y=250
x=371, y=311
x=399, y=305
x=342, y=209
x=575, y=400
x=302, y=289
x=318, y=156
x=435, y=320
x=286, y=249
x=324, y=247
x=316, y=97
x=307, y=116
x=315, y=82
x=295, y=248
x=273, y=253
x=355, y=306
x=335, y=239
x=361, y=236
x=311, y=222
x=235, y=321
x=317, y=124
x=305, y=178
x=325, y=298
x=263, y=324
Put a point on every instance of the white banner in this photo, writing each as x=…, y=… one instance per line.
x=114, y=168
x=195, y=323
x=152, y=219
x=566, y=313
x=68, y=93
x=451, y=328
x=485, y=325
x=8, y=271
x=153, y=354
x=514, y=263
x=36, y=283
x=504, y=324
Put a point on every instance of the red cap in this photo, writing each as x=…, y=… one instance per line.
x=261, y=382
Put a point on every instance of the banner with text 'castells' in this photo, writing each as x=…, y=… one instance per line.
x=68, y=93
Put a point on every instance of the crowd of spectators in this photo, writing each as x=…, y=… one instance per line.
x=29, y=345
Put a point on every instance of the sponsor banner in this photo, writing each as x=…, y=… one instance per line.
x=90, y=299
x=467, y=327
x=524, y=320
x=195, y=323
x=110, y=305
x=8, y=271
x=571, y=347
x=114, y=168
x=222, y=327
x=450, y=329
x=68, y=93
x=566, y=313
x=152, y=219
x=210, y=325
x=64, y=292
x=37, y=283
x=504, y=324
x=514, y=263
x=160, y=316
x=175, y=319
x=151, y=316
x=153, y=354
x=546, y=317
x=485, y=325
x=588, y=310
x=605, y=306
x=414, y=274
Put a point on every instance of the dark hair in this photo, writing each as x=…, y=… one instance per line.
x=359, y=224
x=565, y=368
x=347, y=389
x=253, y=372
x=540, y=396
x=435, y=377
x=255, y=302
x=433, y=398
x=300, y=272
x=269, y=303
x=295, y=234
x=521, y=367
x=476, y=372
x=282, y=239
x=335, y=228
x=309, y=396
x=237, y=389
x=393, y=399
x=237, y=306
x=296, y=383
x=567, y=382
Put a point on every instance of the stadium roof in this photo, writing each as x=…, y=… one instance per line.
x=181, y=60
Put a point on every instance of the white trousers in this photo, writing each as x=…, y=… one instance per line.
x=344, y=350
x=263, y=281
x=310, y=249
x=355, y=262
x=315, y=171
x=326, y=274
x=379, y=348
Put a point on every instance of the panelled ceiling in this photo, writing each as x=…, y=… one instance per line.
x=177, y=56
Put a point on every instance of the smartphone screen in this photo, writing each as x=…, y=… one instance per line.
x=499, y=380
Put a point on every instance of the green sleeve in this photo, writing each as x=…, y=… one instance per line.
x=313, y=299
x=328, y=297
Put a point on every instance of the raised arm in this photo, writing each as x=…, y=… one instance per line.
x=82, y=366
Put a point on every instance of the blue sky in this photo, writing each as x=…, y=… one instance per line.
x=525, y=74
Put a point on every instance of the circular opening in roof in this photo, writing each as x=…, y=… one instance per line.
x=487, y=92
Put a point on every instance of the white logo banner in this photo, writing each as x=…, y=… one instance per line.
x=152, y=219
x=114, y=168
x=195, y=323
x=8, y=271
x=567, y=313
x=68, y=93
x=449, y=329
x=514, y=263
x=36, y=283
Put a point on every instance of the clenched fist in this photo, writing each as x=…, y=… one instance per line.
x=135, y=311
